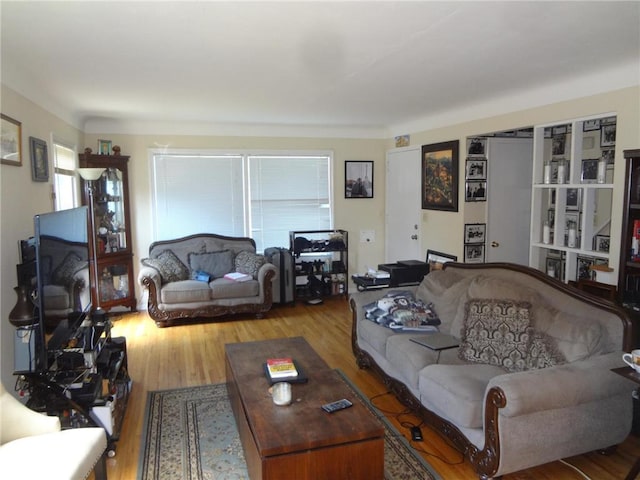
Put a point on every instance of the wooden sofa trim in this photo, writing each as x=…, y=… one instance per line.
x=485, y=461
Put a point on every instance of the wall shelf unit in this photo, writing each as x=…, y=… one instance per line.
x=571, y=197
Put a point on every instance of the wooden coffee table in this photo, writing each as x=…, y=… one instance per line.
x=300, y=441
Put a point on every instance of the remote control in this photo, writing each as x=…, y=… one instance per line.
x=335, y=406
x=416, y=434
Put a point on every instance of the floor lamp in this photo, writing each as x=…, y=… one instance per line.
x=90, y=175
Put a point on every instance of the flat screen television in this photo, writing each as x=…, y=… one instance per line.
x=63, y=280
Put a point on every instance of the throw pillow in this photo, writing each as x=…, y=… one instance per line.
x=249, y=263
x=63, y=274
x=216, y=264
x=169, y=266
x=543, y=351
x=400, y=310
x=496, y=332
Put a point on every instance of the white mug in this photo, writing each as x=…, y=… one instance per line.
x=632, y=359
x=281, y=393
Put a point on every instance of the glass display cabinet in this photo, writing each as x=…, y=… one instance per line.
x=110, y=224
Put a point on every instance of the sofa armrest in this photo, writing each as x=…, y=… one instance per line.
x=149, y=274
x=266, y=269
x=562, y=386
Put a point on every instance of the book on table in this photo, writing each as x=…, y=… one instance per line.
x=281, y=368
x=238, y=277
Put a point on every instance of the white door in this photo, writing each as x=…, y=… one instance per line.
x=509, y=200
x=403, y=205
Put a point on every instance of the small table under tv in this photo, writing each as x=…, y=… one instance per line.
x=300, y=440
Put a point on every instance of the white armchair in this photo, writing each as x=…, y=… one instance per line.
x=32, y=445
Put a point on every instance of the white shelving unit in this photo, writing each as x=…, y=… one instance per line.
x=583, y=201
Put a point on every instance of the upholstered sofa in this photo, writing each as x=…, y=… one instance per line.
x=185, y=278
x=531, y=379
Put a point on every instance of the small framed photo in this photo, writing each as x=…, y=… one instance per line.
x=558, y=143
x=572, y=217
x=609, y=155
x=475, y=232
x=476, y=192
x=602, y=243
x=476, y=147
x=104, y=147
x=39, y=160
x=436, y=260
x=573, y=199
x=11, y=141
x=555, y=267
x=476, y=169
x=608, y=135
x=474, y=253
x=590, y=125
x=358, y=179
x=589, y=170
x=551, y=217
x=583, y=267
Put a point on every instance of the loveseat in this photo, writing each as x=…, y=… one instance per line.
x=530, y=381
x=185, y=278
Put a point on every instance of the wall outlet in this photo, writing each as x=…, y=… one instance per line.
x=367, y=236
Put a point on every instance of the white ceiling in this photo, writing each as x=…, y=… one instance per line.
x=376, y=68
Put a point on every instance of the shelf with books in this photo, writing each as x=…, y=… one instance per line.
x=629, y=269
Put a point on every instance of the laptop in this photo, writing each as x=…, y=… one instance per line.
x=436, y=341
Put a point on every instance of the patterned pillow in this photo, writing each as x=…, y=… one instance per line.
x=169, y=266
x=249, y=263
x=216, y=264
x=543, y=351
x=63, y=274
x=496, y=332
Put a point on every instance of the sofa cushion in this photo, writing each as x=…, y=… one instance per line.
x=168, y=265
x=496, y=332
x=216, y=264
x=457, y=391
x=409, y=357
x=63, y=274
x=375, y=335
x=185, y=291
x=249, y=263
x=225, y=288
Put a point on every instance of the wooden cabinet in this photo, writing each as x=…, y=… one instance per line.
x=110, y=224
x=571, y=198
x=629, y=272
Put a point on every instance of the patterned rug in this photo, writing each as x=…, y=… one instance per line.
x=190, y=434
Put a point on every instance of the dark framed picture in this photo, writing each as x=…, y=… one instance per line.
x=573, y=198
x=474, y=253
x=104, y=147
x=602, y=243
x=476, y=191
x=437, y=259
x=476, y=169
x=609, y=155
x=10, y=141
x=560, y=129
x=440, y=176
x=589, y=125
x=558, y=143
x=475, y=232
x=555, y=267
x=589, y=170
x=39, y=160
x=608, y=135
x=583, y=267
x=358, y=179
x=551, y=217
x=476, y=147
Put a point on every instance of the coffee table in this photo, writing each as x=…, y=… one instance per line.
x=300, y=441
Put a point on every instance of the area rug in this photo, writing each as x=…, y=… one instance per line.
x=191, y=434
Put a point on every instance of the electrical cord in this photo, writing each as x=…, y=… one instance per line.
x=580, y=472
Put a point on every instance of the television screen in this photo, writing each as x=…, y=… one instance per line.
x=63, y=279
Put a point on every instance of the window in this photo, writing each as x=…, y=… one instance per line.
x=65, y=186
x=262, y=196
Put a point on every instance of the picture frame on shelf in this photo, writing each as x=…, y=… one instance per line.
x=609, y=155
x=475, y=233
x=572, y=216
x=551, y=217
x=358, y=179
x=11, y=144
x=583, y=267
x=437, y=259
x=589, y=172
x=552, y=198
x=558, y=144
x=39, y=160
x=476, y=147
x=440, y=176
x=104, y=147
x=476, y=191
x=560, y=130
x=602, y=243
x=474, y=253
x=590, y=125
x=608, y=135
x=573, y=199
x=476, y=169
x=555, y=265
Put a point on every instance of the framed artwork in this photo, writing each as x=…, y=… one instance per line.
x=602, y=243
x=589, y=170
x=475, y=232
x=558, y=143
x=474, y=253
x=10, y=141
x=39, y=160
x=476, y=169
x=437, y=259
x=476, y=191
x=555, y=267
x=573, y=199
x=589, y=125
x=476, y=147
x=104, y=147
x=402, y=140
x=583, y=267
x=440, y=176
x=608, y=135
x=358, y=179
x=609, y=155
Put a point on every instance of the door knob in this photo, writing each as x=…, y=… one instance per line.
x=414, y=237
x=495, y=244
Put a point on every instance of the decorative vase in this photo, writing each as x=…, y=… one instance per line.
x=23, y=312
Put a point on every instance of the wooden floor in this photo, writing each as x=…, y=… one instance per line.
x=193, y=354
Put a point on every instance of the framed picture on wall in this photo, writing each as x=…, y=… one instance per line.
x=608, y=135
x=476, y=147
x=476, y=191
x=474, y=253
x=358, y=179
x=476, y=169
x=440, y=176
x=39, y=160
x=11, y=144
x=475, y=232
